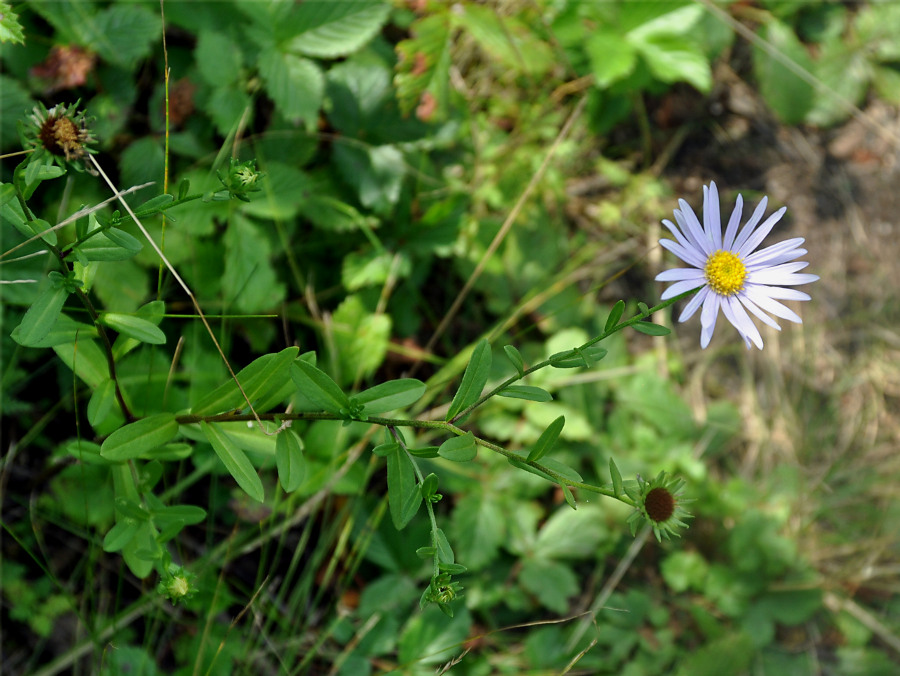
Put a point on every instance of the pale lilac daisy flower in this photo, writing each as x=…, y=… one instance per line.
x=733, y=277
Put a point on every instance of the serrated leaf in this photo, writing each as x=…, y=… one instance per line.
x=360, y=339
x=614, y=315
x=41, y=316
x=527, y=392
x=295, y=84
x=516, y=358
x=134, y=327
x=289, y=460
x=261, y=377
x=122, y=34
x=474, y=379
x=651, y=329
x=333, y=29
x=235, y=461
x=10, y=28
x=319, y=388
x=423, y=63
x=401, y=480
x=506, y=38
x=459, y=449
x=478, y=527
x=139, y=437
x=547, y=440
x=612, y=57
x=551, y=582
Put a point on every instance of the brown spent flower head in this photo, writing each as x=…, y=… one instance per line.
x=660, y=504
x=62, y=132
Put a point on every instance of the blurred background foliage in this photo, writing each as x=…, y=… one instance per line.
x=397, y=139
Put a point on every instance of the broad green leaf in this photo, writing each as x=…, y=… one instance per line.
x=7, y=193
x=86, y=359
x=219, y=60
x=250, y=283
x=138, y=437
x=571, y=534
x=259, y=378
x=169, y=452
x=141, y=552
x=789, y=96
x=391, y=395
x=295, y=84
x=527, y=392
x=134, y=327
x=459, y=449
x=547, y=440
x=15, y=99
x=612, y=57
x=87, y=452
x=478, y=528
x=401, y=480
x=651, y=329
x=289, y=460
x=444, y=551
x=120, y=535
x=40, y=170
x=103, y=404
x=65, y=330
x=41, y=316
x=551, y=582
x=371, y=267
x=235, y=461
x=360, y=339
x=516, y=358
x=506, y=38
x=375, y=172
x=473, y=380
x=103, y=246
x=319, y=388
x=333, y=29
x=614, y=315
x=411, y=505
x=384, y=450
x=673, y=58
x=124, y=33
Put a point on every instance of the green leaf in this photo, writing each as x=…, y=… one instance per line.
x=571, y=359
x=86, y=359
x=111, y=245
x=360, y=339
x=391, y=395
x=120, y=535
x=295, y=84
x=444, y=550
x=375, y=172
x=186, y=514
x=41, y=169
x=319, y=388
x=547, y=440
x=674, y=58
x=616, y=477
x=527, y=392
x=551, y=582
x=516, y=358
x=250, y=281
x=478, y=527
x=10, y=28
x=169, y=452
x=235, y=461
x=473, y=380
x=401, y=480
x=384, y=450
x=134, y=327
x=430, y=485
x=567, y=493
x=506, y=38
x=789, y=96
x=424, y=452
x=612, y=57
x=219, y=59
x=139, y=437
x=459, y=449
x=123, y=34
x=289, y=460
x=424, y=63
x=651, y=329
x=41, y=316
x=614, y=315
x=260, y=378
x=153, y=205
x=103, y=404
x=334, y=29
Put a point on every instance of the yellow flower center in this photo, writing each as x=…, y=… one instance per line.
x=725, y=273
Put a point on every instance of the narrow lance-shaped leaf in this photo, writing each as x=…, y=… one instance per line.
x=547, y=440
x=259, y=378
x=41, y=316
x=139, y=437
x=391, y=395
x=289, y=460
x=318, y=387
x=614, y=315
x=473, y=380
x=235, y=460
x=651, y=329
x=134, y=327
x=516, y=358
x=526, y=392
x=616, y=478
x=401, y=479
x=444, y=550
